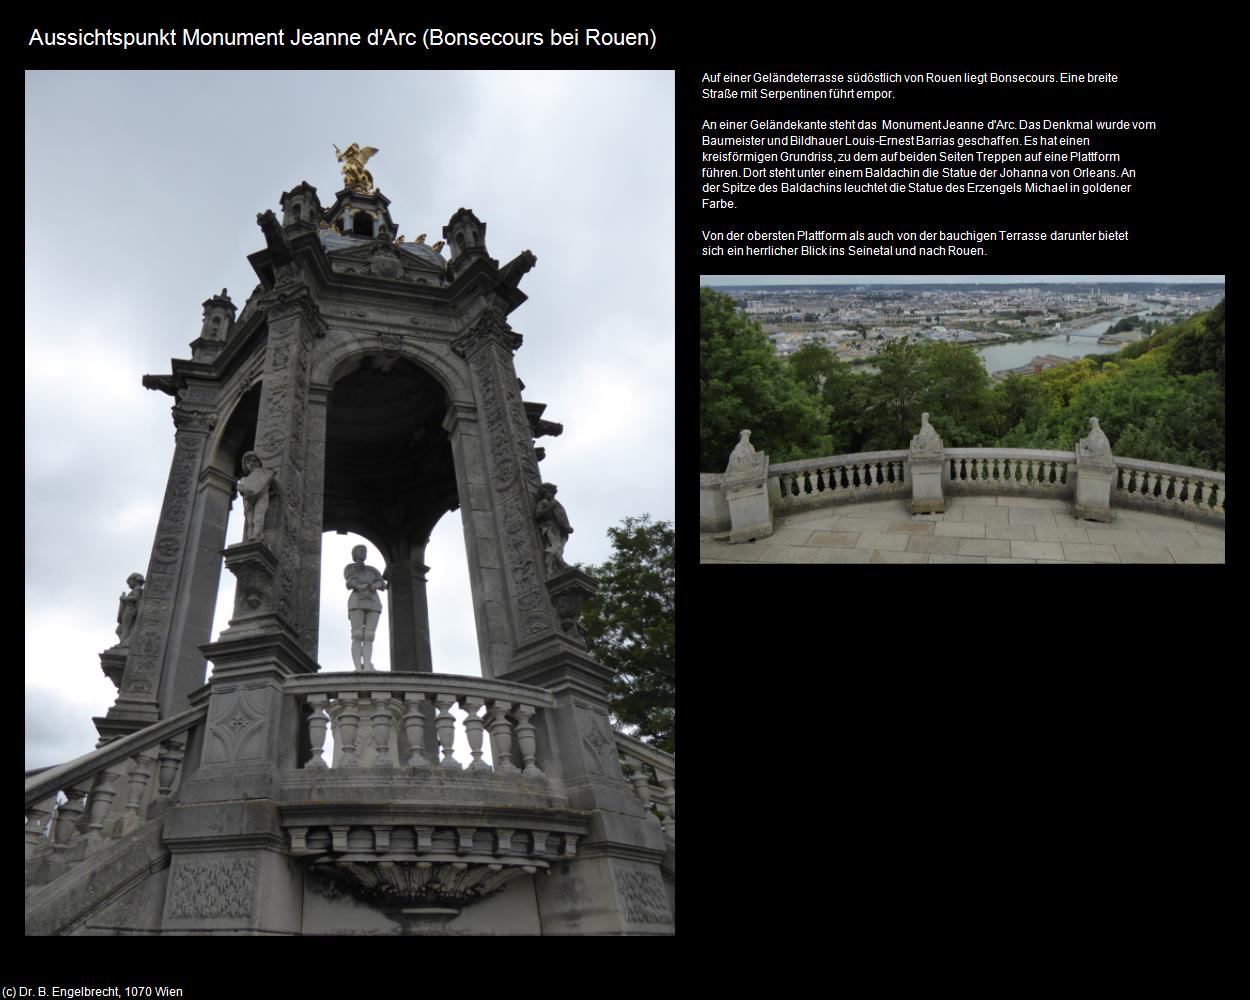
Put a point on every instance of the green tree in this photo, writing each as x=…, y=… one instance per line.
x=957, y=391
x=893, y=396
x=630, y=626
x=1017, y=402
x=839, y=392
x=743, y=384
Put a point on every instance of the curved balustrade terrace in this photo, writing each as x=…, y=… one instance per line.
x=793, y=487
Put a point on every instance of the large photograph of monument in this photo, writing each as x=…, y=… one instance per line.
x=415, y=332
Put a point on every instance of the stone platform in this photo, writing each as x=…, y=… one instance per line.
x=973, y=530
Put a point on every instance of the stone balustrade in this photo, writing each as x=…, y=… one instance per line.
x=1011, y=471
x=1090, y=477
x=653, y=774
x=838, y=479
x=382, y=720
x=1178, y=490
x=74, y=809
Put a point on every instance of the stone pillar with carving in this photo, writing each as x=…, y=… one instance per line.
x=746, y=490
x=282, y=443
x=925, y=458
x=498, y=473
x=1095, y=475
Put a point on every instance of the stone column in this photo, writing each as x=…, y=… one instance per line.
x=1095, y=475
x=925, y=458
x=522, y=607
x=313, y=518
x=410, y=615
x=282, y=435
x=197, y=595
x=746, y=490
x=481, y=539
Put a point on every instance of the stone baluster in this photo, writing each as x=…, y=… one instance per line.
x=446, y=725
x=1219, y=498
x=168, y=759
x=669, y=818
x=102, y=796
x=638, y=778
x=37, y=824
x=501, y=738
x=473, y=727
x=525, y=739
x=140, y=774
x=317, y=730
x=381, y=728
x=69, y=816
x=414, y=728
x=349, y=719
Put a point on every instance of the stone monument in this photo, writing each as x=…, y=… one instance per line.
x=1095, y=475
x=925, y=458
x=367, y=385
x=746, y=489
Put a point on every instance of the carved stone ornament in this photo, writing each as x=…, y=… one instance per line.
x=424, y=883
x=384, y=265
x=644, y=898
x=927, y=440
x=214, y=889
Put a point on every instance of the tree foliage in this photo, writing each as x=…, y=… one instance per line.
x=1161, y=399
x=630, y=626
x=743, y=384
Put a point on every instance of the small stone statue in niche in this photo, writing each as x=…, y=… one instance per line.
x=254, y=488
x=554, y=525
x=364, y=607
x=128, y=608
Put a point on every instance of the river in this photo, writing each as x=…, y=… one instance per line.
x=1082, y=342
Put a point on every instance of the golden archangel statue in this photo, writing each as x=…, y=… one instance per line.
x=354, y=158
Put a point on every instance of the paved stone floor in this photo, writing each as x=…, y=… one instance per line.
x=973, y=530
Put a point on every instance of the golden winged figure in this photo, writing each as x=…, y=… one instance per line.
x=354, y=158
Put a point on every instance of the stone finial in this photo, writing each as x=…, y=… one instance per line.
x=927, y=440
x=219, y=315
x=1095, y=445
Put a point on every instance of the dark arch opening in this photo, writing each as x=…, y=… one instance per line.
x=389, y=473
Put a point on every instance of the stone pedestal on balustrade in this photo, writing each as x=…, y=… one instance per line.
x=1095, y=476
x=925, y=458
x=746, y=491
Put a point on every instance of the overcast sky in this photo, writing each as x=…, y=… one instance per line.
x=141, y=196
x=941, y=279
